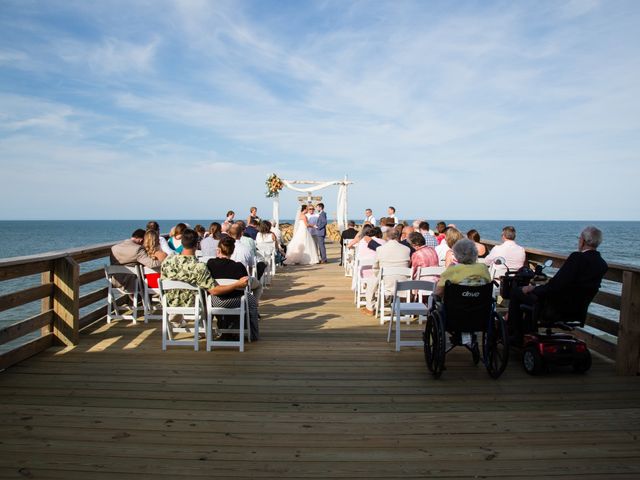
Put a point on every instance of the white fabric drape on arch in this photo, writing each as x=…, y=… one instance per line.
x=342, y=204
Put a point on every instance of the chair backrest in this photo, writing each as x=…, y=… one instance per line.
x=395, y=271
x=166, y=285
x=430, y=272
x=149, y=277
x=204, y=259
x=409, y=285
x=111, y=270
x=364, y=264
x=467, y=308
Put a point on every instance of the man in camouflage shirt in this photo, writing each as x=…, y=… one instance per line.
x=186, y=268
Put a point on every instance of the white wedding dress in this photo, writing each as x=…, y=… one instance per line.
x=302, y=249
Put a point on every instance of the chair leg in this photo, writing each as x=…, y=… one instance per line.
x=398, y=323
x=389, y=331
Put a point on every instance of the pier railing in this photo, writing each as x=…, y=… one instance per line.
x=59, y=320
x=58, y=291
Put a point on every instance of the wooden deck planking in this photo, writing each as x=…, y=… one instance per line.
x=320, y=395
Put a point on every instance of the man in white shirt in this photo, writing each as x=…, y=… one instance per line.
x=513, y=254
x=368, y=217
x=242, y=253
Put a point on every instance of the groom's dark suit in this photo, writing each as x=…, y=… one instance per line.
x=319, y=233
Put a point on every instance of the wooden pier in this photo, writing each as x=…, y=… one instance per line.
x=321, y=395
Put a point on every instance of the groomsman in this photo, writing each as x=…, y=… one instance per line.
x=320, y=232
x=369, y=217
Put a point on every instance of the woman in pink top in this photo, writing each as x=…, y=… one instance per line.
x=367, y=235
x=423, y=256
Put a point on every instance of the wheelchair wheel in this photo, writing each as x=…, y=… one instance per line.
x=495, y=346
x=434, y=344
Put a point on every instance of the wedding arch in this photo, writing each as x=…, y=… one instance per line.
x=275, y=185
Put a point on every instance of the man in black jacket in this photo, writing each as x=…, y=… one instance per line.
x=568, y=293
x=348, y=234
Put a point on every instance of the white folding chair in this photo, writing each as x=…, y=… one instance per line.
x=197, y=313
x=151, y=301
x=387, y=277
x=400, y=310
x=267, y=253
x=244, y=326
x=361, y=281
x=430, y=275
x=116, y=275
x=348, y=258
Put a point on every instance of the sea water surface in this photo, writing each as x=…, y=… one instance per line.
x=20, y=238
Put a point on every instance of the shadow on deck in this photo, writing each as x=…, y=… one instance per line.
x=320, y=395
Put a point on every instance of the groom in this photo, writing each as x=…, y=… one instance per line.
x=319, y=232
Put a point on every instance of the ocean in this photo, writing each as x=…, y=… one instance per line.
x=20, y=238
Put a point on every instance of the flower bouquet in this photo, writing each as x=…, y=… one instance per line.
x=274, y=185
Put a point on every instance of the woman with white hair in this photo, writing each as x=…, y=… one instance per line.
x=467, y=271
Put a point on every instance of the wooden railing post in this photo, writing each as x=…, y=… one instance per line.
x=46, y=304
x=628, y=351
x=66, y=304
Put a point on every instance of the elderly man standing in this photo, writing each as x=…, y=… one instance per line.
x=513, y=253
x=391, y=254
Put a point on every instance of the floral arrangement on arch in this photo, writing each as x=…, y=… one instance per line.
x=274, y=185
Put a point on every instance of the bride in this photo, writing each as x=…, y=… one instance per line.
x=302, y=249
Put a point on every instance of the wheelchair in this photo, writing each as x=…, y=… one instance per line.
x=466, y=311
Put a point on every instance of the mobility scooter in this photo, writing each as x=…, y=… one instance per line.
x=546, y=348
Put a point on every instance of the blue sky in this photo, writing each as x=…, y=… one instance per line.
x=181, y=109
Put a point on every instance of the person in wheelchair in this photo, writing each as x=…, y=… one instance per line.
x=464, y=305
x=566, y=296
x=467, y=271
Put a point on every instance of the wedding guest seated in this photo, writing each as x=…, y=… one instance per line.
x=209, y=244
x=567, y=295
x=513, y=253
x=404, y=238
x=475, y=236
x=429, y=238
x=151, y=244
x=363, y=242
x=348, y=234
x=441, y=227
x=199, y=229
x=252, y=229
x=467, y=271
x=175, y=240
x=152, y=225
x=423, y=255
x=267, y=242
x=452, y=236
x=131, y=252
x=244, y=255
x=186, y=268
x=223, y=267
x=391, y=254
x=376, y=239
